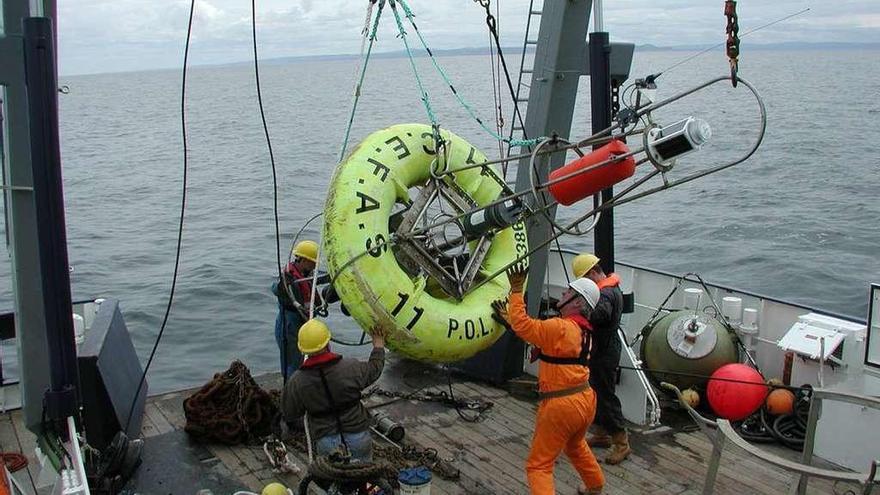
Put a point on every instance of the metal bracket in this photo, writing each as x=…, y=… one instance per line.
x=417, y=255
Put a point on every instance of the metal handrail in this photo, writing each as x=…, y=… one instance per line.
x=820, y=395
x=721, y=431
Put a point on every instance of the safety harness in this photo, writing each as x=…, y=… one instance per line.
x=583, y=358
x=294, y=280
x=318, y=363
x=335, y=411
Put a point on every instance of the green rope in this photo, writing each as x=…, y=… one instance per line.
x=357, y=91
x=412, y=62
x=467, y=106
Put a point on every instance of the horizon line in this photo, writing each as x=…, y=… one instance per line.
x=469, y=51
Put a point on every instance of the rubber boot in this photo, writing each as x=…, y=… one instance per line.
x=619, y=448
x=599, y=438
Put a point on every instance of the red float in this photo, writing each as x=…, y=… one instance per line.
x=577, y=183
x=734, y=400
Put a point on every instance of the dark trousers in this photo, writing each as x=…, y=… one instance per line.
x=603, y=379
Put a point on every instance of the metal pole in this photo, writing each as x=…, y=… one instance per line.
x=552, y=96
x=558, y=64
x=23, y=243
x=600, y=107
x=598, y=16
x=42, y=89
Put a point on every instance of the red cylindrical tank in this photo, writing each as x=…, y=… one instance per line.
x=586, y=183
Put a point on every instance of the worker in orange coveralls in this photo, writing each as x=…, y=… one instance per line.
x=567, y=405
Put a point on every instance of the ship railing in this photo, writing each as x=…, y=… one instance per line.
x=721, y=431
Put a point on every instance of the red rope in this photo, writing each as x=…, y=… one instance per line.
x=14, y=461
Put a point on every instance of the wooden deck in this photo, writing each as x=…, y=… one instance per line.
x=489, y=454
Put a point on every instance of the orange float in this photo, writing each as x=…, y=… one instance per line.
x=780, y=401
x=576, y=181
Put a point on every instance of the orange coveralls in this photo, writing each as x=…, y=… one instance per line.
x=562, y=422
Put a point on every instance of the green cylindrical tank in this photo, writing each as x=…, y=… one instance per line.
x=684, y=342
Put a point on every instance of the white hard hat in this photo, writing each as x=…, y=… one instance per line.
x=587, y=289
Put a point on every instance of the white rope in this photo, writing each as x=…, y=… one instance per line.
x=495, y=63
x=365, y=32
x=365, y=36
x=315, y=279
x=308, y=437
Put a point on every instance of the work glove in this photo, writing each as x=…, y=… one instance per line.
x=516, y=275
x=499, y=313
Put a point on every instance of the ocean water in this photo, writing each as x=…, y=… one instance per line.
x=798, y=221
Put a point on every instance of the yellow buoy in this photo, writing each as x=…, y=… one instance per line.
x=423, y=322
x=691, y=397
x=274, y=489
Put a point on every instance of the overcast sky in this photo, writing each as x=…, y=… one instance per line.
x=124, y=35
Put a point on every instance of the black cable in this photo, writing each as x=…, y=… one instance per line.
x=266, y=134
x=753, y=430
x=491, y=23
x=469, y=419
x=704, y=51
x=396, y=398
x=281, y=280
x=180, y=225
x=807, y=389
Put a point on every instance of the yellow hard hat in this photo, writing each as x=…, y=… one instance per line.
x=307, y=250
x=313, y=336
x=274, y=489
x=583, y=263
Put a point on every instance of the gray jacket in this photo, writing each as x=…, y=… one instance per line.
x=345, y=379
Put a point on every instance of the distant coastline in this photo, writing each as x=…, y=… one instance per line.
x=787, y=46
x=513, y=51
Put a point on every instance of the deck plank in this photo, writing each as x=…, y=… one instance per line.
x=148, y=427
x=158, y=420
x=491, y=454
x=9, y=442
x=734, y=470
x=479, y=452
x=27, y=442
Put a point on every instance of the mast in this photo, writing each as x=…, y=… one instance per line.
x=562, y=55
x=24, y=245
x=60, y=401
x=559, y=63
x=600, y=111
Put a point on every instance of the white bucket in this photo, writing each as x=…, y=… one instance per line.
x=692, y=296
x=415, y=481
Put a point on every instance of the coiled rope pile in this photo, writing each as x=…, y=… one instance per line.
x=391, y=460
x=231, y=408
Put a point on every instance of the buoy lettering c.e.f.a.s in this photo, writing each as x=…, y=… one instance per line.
x=424, y=322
